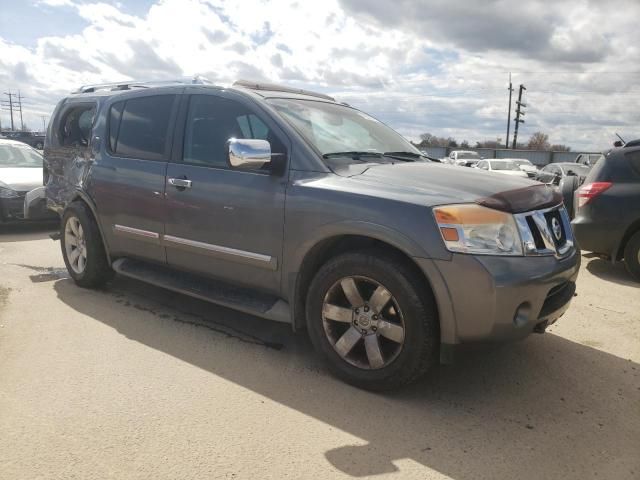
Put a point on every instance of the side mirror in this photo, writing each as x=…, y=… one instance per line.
x=249, y=154
x=617, y=144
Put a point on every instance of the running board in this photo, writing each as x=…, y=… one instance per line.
x=242, y=299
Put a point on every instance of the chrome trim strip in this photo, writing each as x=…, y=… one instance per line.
x=135, y=231
x=223, y=252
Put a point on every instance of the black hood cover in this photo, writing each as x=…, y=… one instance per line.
x=534, y=197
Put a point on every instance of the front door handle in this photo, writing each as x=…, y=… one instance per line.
x=180, y=183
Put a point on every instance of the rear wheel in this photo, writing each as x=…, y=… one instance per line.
x=368, y=317
x=632, y=256
x=82, y=247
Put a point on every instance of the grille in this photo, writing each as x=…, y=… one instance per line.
x=546, y=232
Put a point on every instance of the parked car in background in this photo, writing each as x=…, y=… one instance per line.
x=464, y=158
x=607, y=208
x=566, y=177
x=526, y=166
x=588, y=159
x=506, y=167
x=20, y=174
x=36, y=140
x=291, y=206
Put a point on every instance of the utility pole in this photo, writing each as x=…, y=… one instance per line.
x=43, y=117
x=9, y=104
x=519, y=113
x=20, y=107
x=506, y=139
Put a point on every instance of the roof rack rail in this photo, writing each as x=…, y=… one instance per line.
x=279, y=88
x=129, y=84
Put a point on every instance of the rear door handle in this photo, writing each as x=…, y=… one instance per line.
x=180, y=183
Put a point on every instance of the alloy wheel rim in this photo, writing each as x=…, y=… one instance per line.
x=363, y=322
x=75, y=245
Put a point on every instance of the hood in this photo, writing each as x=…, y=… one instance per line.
x=528, y=168
x=21, y=179
x=433, y=183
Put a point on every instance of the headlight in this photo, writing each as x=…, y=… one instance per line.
x=471, y=228
x=6, y=191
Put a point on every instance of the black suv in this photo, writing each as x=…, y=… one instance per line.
x=607, y=208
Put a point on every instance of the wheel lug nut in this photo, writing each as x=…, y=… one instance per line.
x=357, y=310
x=375, y=317
x=374, y=329
x=366, y=309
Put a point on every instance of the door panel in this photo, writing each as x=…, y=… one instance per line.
x=228, y=223
x=127, y=182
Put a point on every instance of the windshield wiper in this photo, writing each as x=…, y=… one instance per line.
x=405, y=156
x=353, y=154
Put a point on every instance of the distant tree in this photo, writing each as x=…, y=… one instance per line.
x=452, y=143
x=464, y=144
x=539, y=141
x=560, y=148
x=429, y=140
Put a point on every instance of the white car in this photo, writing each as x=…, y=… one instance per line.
x=526, y=166
x=506, y=167
x=20, y=177
x=464, y=158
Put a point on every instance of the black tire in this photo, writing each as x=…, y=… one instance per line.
x=632, y=256
x=421, y=338
x=96, y=271
x=567, y=188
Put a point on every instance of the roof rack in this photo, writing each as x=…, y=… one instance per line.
x=129, y=84
x=279, y=88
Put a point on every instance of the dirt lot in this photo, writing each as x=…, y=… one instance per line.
x=136, y=382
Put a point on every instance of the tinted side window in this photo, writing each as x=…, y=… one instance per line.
x=115, y=114
x=634, y=161
x=144, y=127
x=211, y=121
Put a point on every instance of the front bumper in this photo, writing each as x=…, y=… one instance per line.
x=35, y=206
x=495, y=299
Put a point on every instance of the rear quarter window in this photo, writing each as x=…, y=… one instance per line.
x=634, y=162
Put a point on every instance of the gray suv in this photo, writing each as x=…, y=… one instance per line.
x=294, y=207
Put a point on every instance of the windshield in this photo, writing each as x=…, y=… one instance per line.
x=504, y=165
x=468, y=156
x=333, y=128
x=12, y=156
x=522, y=162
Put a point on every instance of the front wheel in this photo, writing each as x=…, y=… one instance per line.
x=368, y=315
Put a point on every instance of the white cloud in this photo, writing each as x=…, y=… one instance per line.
x=401, y=62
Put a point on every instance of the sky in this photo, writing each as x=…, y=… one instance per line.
x=437, y=66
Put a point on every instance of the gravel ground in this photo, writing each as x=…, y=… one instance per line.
x=136, y=382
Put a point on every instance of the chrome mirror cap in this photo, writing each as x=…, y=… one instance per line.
x=249, y=153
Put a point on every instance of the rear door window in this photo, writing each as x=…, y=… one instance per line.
x=139, y=127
